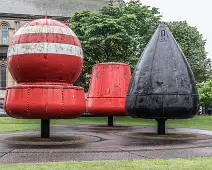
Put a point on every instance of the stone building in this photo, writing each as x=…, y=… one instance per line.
x=14, y=14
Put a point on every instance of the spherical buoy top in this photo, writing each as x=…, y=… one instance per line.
x=45, y=50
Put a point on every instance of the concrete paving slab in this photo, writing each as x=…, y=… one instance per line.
x=177, y=153
x=2, y=154
x=78, y=143
x=65, y=157
x=2, y=150
x=66, y=150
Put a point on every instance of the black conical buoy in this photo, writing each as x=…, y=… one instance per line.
x=162, y=85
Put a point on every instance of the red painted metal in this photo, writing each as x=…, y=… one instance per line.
x=45, y=101
x=50, y=38
x=45, y=68
x=108, y=89
x=46, y=59
x=53, y=61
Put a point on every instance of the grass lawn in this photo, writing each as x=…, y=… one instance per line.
x=12, y=125
x=181, y=164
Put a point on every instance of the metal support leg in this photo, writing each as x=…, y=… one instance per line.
x=110, y=120
x=161, y=126
x=45, y=128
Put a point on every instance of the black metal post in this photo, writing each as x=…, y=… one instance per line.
x=110, y=120
x=161, y=126
x=45, y=128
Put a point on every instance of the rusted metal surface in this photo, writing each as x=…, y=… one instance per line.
x=46, y=59
x=108, y=89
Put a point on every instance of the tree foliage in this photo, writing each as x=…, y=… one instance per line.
x=114, y=34
x=193, y=46
x=120, y=34
x=205, y=92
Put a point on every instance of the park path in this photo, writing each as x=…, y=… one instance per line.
x=96, y=142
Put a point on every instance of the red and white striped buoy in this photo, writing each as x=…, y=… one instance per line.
x=46, y=59
x=45, y=50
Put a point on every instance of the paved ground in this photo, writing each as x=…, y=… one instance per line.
x=93, y=142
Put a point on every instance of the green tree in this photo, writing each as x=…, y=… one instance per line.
x=193, y=46
x=120, y=34
x=114, y=34
x=205, y=92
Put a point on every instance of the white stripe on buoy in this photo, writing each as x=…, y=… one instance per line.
x=45, y=48
x=45, y=30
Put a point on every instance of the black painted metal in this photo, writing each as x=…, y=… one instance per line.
x=161, y=126
x=110, y=120
x=45, y=128
x=162, y=85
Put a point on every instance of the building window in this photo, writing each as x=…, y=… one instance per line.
x=3, y=76
x=4, y=29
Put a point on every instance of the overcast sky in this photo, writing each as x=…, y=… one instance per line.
x=196, y=13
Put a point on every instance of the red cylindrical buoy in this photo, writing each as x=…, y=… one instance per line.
x=45, y=102
x=46, y=59
x=108, y=89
